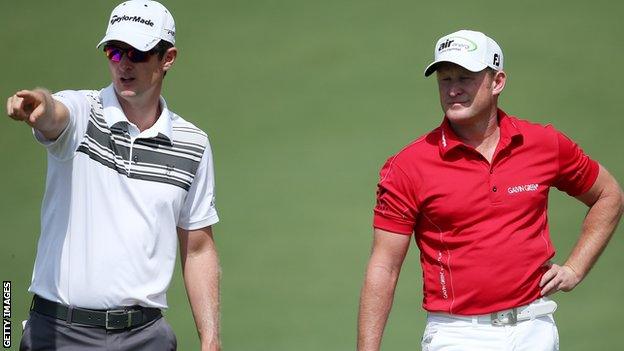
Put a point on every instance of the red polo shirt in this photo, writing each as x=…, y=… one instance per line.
x=481, y=228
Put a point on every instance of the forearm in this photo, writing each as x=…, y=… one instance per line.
x=605, y=201
x=598, y=227
x=201, y=277
x=55, y=116
x=375, y=303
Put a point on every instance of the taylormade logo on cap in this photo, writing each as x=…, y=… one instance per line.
x=141, y=24
x=470, y=49
x=116, y=19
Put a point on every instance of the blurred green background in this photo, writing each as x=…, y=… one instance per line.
x=303, y=101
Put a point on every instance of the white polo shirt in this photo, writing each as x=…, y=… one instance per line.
x=114, y=197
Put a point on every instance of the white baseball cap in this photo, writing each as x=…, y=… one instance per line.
x=470, y=49
x=141, y=24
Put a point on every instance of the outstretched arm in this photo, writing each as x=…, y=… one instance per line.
x=606, y=203
x=382, y=274
x=39, y=110
x=200, y=267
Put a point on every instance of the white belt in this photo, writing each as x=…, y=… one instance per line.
x=537, y=308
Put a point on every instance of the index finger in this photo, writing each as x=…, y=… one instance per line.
x=27, y=94
x=549, y=274
x=550, y=288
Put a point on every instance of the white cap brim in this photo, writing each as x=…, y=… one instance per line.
x=472, y=66
x=138, y=41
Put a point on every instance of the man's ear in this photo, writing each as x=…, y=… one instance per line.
x=498, y=82
x=169, y=58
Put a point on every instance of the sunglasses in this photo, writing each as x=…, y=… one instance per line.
x=136, y=56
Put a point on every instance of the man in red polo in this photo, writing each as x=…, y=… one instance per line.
x=474, y=192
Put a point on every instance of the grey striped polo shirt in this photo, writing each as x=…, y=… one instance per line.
x=113, y=200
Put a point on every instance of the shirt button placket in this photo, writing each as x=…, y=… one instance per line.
x=131, y=157
x=493, y=189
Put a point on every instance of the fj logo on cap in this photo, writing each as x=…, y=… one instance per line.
x=457, y=43
x=496, y=60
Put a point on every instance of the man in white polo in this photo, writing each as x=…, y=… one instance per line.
x=474, y=193
x=127, y=179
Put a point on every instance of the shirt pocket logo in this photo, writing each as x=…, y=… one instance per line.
x=522, y=188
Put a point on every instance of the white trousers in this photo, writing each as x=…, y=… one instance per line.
x=445, y=333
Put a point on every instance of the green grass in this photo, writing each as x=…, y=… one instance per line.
x=303, y=101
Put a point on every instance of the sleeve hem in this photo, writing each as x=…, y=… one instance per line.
x=41, y=139
x=591, y=179
x=391, y=226
x=200, y=224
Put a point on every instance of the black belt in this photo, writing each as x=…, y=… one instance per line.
x=128, y=317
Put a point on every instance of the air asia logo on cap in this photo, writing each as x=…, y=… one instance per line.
x=457, y=43
x=138, y=19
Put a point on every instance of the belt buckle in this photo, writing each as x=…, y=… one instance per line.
x=506, y=317
x=117, y=313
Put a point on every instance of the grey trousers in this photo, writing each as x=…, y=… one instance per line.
x=49, y=334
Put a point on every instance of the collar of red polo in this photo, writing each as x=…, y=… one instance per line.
x=449, y=140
